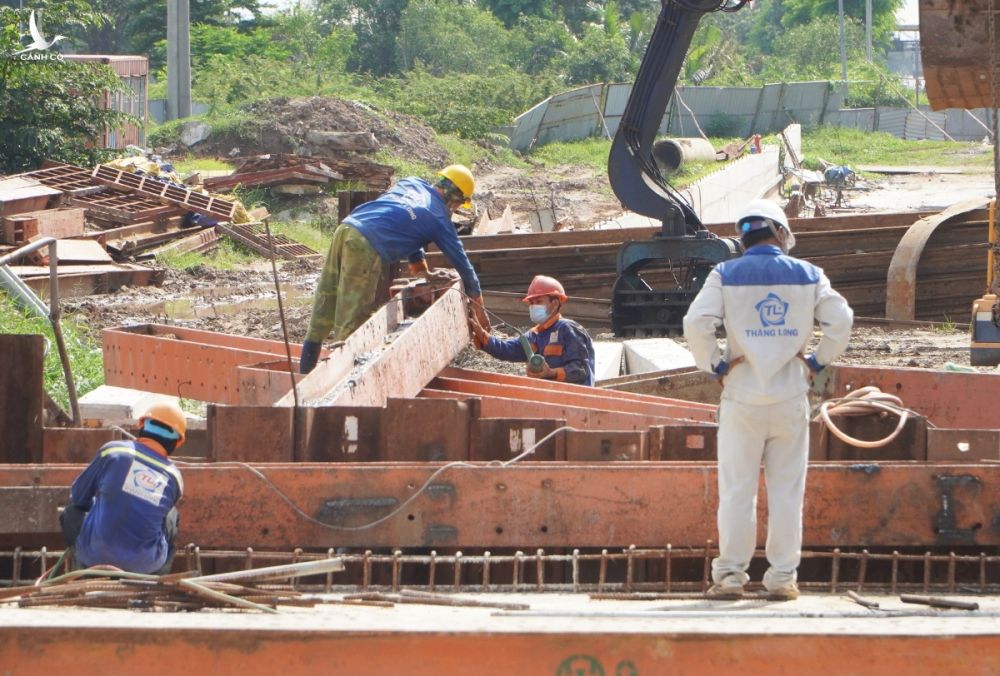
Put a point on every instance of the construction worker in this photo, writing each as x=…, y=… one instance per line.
x=565, y=345
x=768, y=302
x=122, y=509
x=399, y=223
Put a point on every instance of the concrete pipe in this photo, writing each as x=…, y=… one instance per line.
x=670, y=154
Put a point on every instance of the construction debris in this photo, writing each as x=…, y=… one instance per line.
x=107, y=587
x=275, y=170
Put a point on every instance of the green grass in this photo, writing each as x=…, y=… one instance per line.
x=852, y=147
x=228, y=256
x=314, y=234
x=82, y=344
x=403, y=166
x=191, y=164
x=590, y=152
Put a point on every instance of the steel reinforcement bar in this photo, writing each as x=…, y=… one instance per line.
x=618, y=573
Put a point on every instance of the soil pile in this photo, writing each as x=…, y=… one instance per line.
x=279, y=126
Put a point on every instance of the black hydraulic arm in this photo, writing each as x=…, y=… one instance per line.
x=632, y=172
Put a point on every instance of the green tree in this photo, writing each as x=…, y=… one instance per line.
x=51, y=108
x=805, y=12
x=539, y=45
x=448, y=37
x=599, y=56
x=376, y=29
x=135, y=26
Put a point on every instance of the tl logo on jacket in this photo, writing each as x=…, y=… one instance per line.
x=772, y=311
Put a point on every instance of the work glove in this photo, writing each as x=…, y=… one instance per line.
x=547, y=373
x=309, y=356
x=721, y=369
x=479, y=312
x=419, y=269
x=480, y=336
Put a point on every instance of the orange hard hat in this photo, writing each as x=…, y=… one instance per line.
x=168, y=415
x=545, y=286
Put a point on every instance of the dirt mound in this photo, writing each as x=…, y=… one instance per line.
x=279, y=126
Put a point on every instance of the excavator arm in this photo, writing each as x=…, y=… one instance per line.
x=684, y=246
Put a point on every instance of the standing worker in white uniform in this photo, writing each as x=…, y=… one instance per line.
x=768, y=302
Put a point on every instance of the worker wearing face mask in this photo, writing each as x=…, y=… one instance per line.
x=565, y=347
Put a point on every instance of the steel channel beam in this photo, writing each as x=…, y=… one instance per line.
x=901, y=280
x=278, y=506
x=571, y=645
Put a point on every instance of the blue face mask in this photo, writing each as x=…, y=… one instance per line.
x=538, y=313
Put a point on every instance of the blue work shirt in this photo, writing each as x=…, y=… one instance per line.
x=566, y=346
x=403, y=220
x=126, y=491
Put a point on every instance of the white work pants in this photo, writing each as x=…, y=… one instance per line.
x=778, y=436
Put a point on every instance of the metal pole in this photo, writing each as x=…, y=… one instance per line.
x=172, y=65
x=54, y=316
x=843, y=41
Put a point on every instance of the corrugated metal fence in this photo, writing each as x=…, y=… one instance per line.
x=596, y=110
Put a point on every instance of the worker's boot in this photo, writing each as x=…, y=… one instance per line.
x=729, y=587
x=787, y=592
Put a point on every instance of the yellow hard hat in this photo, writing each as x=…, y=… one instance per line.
x=460, y=175
x=168, y=415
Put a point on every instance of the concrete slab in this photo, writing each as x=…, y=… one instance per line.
x=111, y=405
x=608, y=359
x=655, y=354
x=558, y=633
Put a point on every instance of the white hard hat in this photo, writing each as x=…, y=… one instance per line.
x=761, y=214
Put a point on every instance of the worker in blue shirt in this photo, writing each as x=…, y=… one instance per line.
x=122, y=509
x=565, y=345
x=398, y=224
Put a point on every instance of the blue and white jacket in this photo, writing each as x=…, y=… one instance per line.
x=401, y=222
x=126, y=491
x=768, y=302
x=566, y=346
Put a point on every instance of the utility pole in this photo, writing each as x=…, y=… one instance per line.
x=843, y=42
x=178, y=59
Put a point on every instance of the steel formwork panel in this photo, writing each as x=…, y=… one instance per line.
x=183, y=362
x=279, y=506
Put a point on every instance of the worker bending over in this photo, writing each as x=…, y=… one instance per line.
x=400, y=223
x=768, y=302
x=122, y=509
x=565, y=345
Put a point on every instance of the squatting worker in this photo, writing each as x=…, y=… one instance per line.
x=768, y=302
x=565, y=345
x=400, y=223
x=122, y=509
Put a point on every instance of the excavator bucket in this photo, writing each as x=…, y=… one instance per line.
x=955, y=46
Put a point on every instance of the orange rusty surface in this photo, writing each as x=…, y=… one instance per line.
x=578, y=417
x=555, y=386
x=545, y=504
x=955, y=50
x=82, y=651
x=596, y=400
x=948, y=399
x=183, y=362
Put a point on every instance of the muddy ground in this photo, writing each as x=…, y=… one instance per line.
x=243, y=302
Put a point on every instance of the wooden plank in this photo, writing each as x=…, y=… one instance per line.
x=21, y=398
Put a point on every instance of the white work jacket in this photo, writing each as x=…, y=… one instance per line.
x=768, y=303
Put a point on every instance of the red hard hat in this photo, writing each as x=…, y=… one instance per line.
x=544, y=286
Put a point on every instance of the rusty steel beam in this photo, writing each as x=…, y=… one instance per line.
x=398, y=357
x=595, y=399
x=947, y=399
x=542, y=504
x=183, y=362
x=563, y=645
x=901, y=280
x=956, y=51
x=570, y=388
x=578, y=417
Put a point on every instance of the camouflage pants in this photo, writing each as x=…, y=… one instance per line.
x=347, y=286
